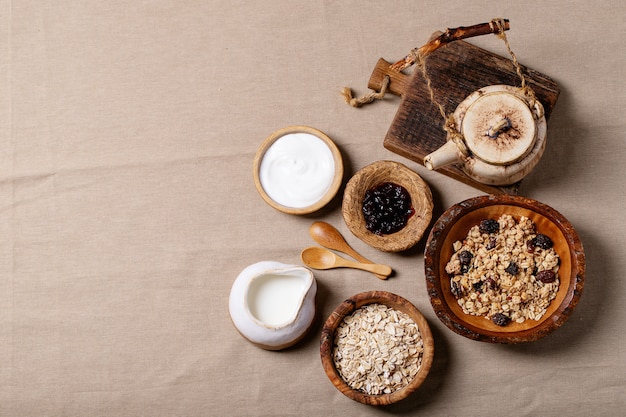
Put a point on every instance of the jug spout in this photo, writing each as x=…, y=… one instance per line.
x=445, y=155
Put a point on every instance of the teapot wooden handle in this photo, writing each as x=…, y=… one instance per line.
x=398, y=82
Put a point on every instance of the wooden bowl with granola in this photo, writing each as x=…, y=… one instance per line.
x=503, y=269
x=376, y=348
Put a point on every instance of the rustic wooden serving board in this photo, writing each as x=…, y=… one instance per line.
x=456, y=70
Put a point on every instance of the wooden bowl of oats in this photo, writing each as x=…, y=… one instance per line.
x=376, y=348
x=503, y=269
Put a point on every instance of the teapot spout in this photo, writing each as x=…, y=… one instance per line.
x=445, y=155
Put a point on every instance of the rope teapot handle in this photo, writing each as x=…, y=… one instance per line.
x=417, y=56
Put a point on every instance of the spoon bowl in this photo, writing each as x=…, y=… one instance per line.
x=328, y=236
x=320, y=258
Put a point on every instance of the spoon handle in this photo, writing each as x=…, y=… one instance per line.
x=349, y=251
x=381, y=271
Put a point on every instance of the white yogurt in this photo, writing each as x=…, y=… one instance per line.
x=297, y=170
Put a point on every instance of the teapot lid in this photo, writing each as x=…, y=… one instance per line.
x=499, y=127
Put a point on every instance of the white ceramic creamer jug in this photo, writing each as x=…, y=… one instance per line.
x=273, y=304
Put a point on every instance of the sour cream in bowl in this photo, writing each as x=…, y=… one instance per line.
x=298, y=170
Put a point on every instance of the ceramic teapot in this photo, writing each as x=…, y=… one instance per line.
x=500, y=136
x=497, y=134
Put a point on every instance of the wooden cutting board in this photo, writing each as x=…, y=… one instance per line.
x=456, y=70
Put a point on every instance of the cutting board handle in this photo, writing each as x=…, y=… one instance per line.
x=398, y=81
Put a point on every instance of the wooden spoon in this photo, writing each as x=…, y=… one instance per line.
x=328, y=236
x=320, y=258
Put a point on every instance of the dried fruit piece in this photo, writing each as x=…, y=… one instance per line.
x=491, y=283
x=456, y=290
x=489, y=226
x=500, y=319
x=478, y=286
x=512, y=269
x=546, y=277
x=465, y=257
x=540, y=241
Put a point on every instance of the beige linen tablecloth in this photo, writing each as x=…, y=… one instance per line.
x=128, y=205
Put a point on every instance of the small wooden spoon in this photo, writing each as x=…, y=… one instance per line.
x=320, y=258
x=328, y=236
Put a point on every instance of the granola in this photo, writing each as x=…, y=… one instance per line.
x=504, y=270
x=378, y=350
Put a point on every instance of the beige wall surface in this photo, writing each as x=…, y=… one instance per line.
x=128, y=206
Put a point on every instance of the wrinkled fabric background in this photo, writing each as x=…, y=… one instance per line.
x=128, y=208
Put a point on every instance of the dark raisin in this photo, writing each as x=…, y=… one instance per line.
x=465, y=257
x=387, y=208
x=500, y=319
x=478, y=286
x=456, y=290
x=491, y=283
x=546, y=276
x=512, y=269
x=543, y=241
x=539, y=241
x=489, y=226
x=493, y=242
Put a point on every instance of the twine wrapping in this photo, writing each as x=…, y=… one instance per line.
x=368, y=98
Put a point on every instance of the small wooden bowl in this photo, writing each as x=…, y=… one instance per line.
x=454, y=225
x=332, y=190
x=345, y=309
x=376, y=174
